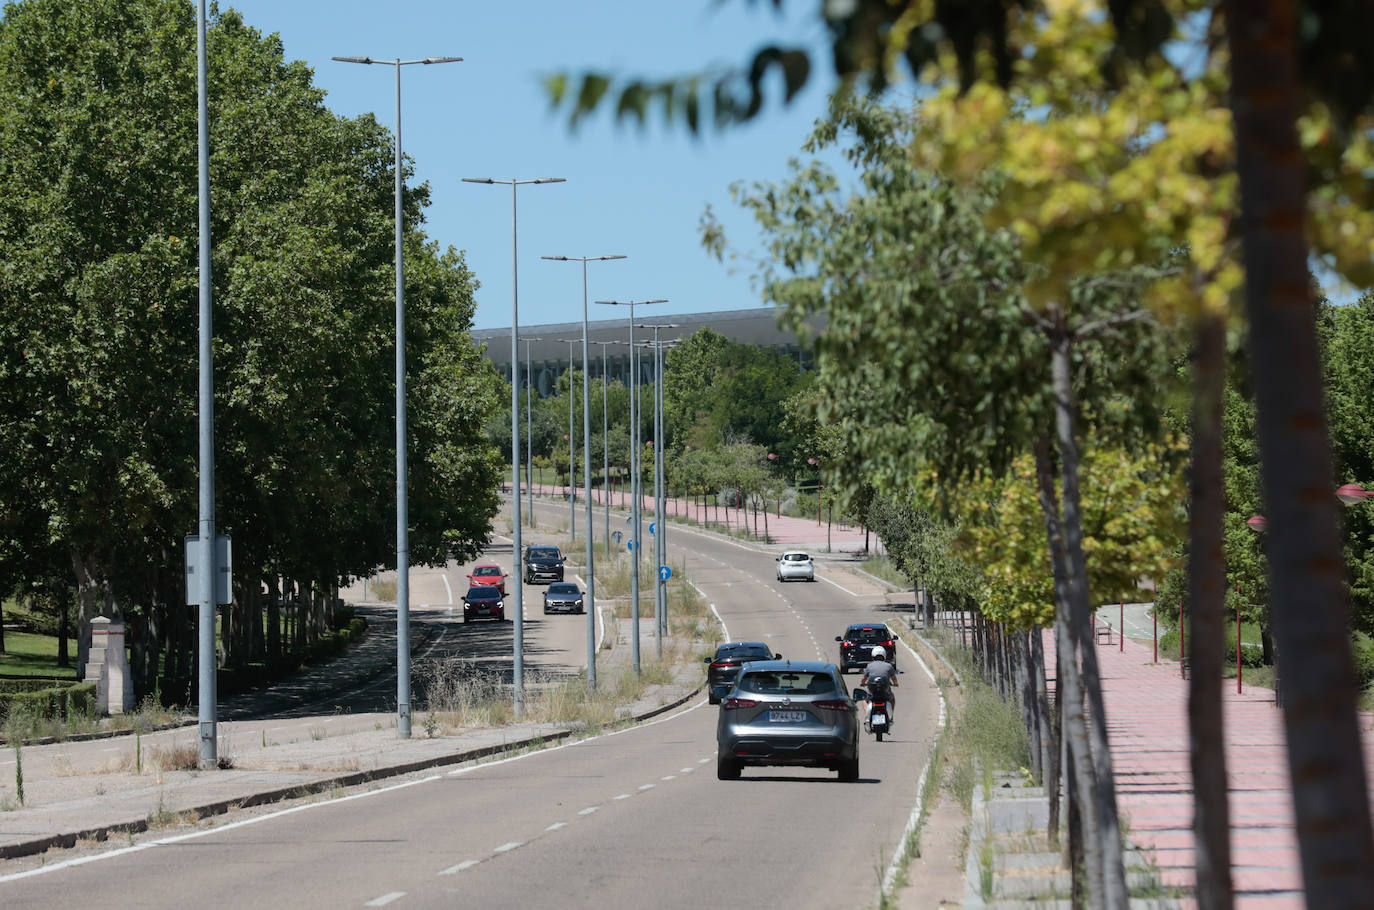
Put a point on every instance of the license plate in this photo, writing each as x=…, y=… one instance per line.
x=879, y=718
x=786, y=717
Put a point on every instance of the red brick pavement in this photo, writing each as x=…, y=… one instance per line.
x=1147, y=719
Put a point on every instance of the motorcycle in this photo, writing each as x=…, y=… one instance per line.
x=879, y=719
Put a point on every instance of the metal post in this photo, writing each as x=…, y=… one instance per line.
x=587, y=461
x=572, y=460
x=206, y=697
x=402, y=506
x=661, y=538
x=402, y=518
x=635, y=502
x=1240, y=671
x=1122, y=605
x=605, y=452
x=636, y=495
x=517, y=552
x=529, y=430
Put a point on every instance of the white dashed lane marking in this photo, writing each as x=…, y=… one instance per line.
x=589, y=810
x=385, y=899
x=465, y=864
x=506, y=848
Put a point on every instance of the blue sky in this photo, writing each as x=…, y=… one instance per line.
x=628, y=192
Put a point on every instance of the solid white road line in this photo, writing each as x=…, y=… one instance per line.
x=838, y=585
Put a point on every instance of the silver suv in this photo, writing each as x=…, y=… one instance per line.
x=787, y=712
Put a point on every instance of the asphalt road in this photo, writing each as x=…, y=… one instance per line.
x=631, y=819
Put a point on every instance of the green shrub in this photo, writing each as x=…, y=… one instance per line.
x=54, y=703
x=1363, y=648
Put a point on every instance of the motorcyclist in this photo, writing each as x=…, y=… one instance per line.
x=881, y=678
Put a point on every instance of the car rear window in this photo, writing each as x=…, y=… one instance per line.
x=796, y=557
x=865, y=636
x=787, y=683
x=745, y=652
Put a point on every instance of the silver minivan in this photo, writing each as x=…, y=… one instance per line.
x=787, y=712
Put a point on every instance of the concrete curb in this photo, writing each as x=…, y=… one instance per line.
x=353, y=779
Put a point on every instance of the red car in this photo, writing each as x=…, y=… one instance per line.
x=489, y=574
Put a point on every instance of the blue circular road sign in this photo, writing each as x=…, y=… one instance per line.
x=664, y=573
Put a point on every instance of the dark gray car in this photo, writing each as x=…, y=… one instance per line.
x=563, y=597
x=788, y=712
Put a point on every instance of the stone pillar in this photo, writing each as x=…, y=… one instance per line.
x=108, y=667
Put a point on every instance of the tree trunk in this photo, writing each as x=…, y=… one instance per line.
x=1207, y=595
x=1307, y=586
x=1113, y=866
x=1085, y=855
x=1030, y=707
x=64, y=605
x=273, y=621
x=1049, y=734
x=83, y=566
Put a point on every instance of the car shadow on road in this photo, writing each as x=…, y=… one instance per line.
x=828, y=779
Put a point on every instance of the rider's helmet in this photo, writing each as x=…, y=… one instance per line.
x=879, y=654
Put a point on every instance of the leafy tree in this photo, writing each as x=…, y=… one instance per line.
x=1300, y=96
x=98, y=343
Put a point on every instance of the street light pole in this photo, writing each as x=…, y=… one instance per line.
x=587, y=462
x=517, y=554
x=529, y=431
x=572, y=442
x=660, y=497
x=206, y=698
x=402, y=516
x=636, y=496
x=605, y=448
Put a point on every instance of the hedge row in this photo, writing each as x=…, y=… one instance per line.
x=49, y=704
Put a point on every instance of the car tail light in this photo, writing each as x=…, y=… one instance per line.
x=731, y=703
x=846, y=644
x=891, y=645
x=834, y=704
x=722, y=664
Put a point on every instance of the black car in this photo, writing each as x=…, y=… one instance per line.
x=483, y=601
x=728, y=658
x=543, y=564
x=859, y=640
x=563, y=597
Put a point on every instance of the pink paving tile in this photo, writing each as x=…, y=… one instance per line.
x=1148, y=731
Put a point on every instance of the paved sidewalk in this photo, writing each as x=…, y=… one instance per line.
x=784, y=531
x=1147, y=714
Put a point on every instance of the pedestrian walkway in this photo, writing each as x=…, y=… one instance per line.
x=783, y=531
x=1147, y=716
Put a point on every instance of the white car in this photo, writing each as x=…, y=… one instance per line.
x=794, y=565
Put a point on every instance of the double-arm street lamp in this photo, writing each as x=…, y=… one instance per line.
x=635, y=494
x=572, y=444
x=529, y=431
x=660, y=493
x=587, y=461
x=517, y=554
x=402, y=517
x=605, y=449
